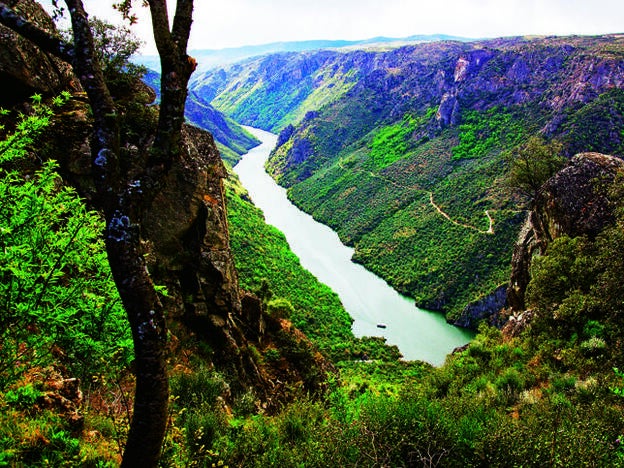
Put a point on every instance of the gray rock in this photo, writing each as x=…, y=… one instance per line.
x=486, y=308
x=26, y=70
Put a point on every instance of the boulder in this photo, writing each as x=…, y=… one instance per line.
x=26, y=70
x=574, y=202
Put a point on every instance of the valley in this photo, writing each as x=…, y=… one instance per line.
x=403, y=151
x=382, y=253
x=419, y=335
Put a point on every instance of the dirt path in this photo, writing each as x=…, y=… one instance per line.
x=490, y=229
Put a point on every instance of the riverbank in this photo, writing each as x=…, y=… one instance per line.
x=369, y=300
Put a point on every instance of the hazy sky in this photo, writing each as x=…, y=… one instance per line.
x=231, y=23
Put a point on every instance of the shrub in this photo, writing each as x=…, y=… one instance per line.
x=198, y=389
x=55, y=280
x=594, y=346
x=280, y=308
x=202, y=429
x=510, y=383
x=23, y=397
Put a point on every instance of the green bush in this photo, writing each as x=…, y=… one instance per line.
x=202, y=429
x=23, y=397
x=510, y=382
x=280, y=308
x=55, y=280
x=198, y=389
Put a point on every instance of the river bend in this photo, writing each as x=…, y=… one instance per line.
x=368, y=299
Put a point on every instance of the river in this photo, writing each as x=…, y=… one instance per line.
x=419, y=334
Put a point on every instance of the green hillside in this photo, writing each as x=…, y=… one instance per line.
x=267, y=267
x=436, y=161
x=406, y=159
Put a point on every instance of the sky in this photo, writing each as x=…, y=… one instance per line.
x=233, y=23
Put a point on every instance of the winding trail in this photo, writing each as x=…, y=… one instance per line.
x=489, y=230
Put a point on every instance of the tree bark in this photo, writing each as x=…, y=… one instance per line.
x=44, y=40
x=147, y=321
x=176, y=69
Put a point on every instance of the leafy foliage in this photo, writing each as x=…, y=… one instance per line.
x=56, y=287
x=268, y=267
x=59, y=306
x=115, y=47
x=575, y=291
x=481, y=132
x=533, y=163
x=23, y=397
x=392, y=142
x=15, y=143
x=55, y=283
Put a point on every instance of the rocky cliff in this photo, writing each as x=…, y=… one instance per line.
x=24, y=69
x=184, y=230
x=575, y=202
x=401, y=150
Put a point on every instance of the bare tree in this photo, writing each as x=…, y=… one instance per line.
x=122, y=198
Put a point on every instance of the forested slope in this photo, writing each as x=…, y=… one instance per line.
x=403, y=151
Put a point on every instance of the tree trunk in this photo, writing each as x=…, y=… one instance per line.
x=141, y=206
x=121, y=204
x=123, y=200
x=146, y=316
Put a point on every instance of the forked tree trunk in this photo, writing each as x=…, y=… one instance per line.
x=123, y=201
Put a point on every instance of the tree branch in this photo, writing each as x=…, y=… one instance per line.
x=86, y=66
x=160, y=26
x=182, y=22
x=176, y=69
x=44, y=40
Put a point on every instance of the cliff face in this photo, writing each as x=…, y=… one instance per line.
x=400, y=150
x=555, y=74
x=574, y=202
x=24, y=69
x=184, y=228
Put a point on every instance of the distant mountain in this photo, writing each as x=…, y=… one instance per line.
x=232, y=139
x=211, y=58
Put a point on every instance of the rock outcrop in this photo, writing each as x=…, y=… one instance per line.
x=448, y=112
x=24, y=69
x=184, y=227
x=486, y=309
x=574, y=202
